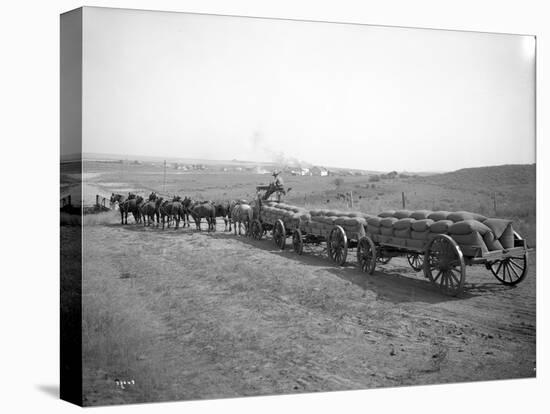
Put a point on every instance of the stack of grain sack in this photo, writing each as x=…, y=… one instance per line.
x=323, y=221
x=291, y=216
x=469, y=230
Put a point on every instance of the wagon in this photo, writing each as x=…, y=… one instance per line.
x=339, y=241
x=262, y=223
x=444, y=261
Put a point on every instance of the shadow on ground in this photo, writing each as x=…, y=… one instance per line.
x=397, y=284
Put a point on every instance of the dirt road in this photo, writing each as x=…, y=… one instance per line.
x=190, y=315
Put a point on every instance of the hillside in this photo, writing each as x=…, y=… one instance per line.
x=485, y=177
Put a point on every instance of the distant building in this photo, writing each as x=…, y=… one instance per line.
x=323, y=172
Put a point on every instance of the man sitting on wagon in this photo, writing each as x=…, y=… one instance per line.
x=276, y=186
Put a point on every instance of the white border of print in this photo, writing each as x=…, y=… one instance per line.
x=29, y=162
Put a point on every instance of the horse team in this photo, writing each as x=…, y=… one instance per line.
x=166, y=211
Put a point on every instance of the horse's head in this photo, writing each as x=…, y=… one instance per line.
x=153, y=196
x=131, y=196
x=139, y=199
x=186, y=202
x=176, y=198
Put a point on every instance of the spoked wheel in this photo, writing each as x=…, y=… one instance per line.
x=366, y=255
x=256, y=229
x=337, y=245
x=297, y=241
x=444, y=265
x=279, y=234
x=510, y=270
x=416, y=260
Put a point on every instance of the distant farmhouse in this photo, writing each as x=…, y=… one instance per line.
x=323, y=172
x=319, y=171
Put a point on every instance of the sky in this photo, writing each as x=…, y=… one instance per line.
x=356, y=96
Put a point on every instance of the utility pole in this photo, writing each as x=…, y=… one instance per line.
x=164, y=180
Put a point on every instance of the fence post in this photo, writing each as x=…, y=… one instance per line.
x=495, y=202
x=403, y=199
x=97, y=199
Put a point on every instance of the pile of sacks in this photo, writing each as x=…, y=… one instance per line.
x=466, y=228
x=322, y=221
x=290, y=215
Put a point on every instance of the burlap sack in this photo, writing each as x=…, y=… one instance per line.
x=386, y=231
x=340, y=221
x=491, y=242
x=352, y=221
x=441, y=226
x=373, y=229
x=388, y=222
x=507, y=238
x=402, y=234
x=472, y=239
x=402, y=214
x=374, y=221
x=439, y=215
x=304, y=217
x=421, y=225
x=502, y=230
x=465, y=215
x=404, y=223
x=387, y=213
x=421, y=214
x=468, y=226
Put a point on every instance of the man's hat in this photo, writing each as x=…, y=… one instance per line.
x=275, y=173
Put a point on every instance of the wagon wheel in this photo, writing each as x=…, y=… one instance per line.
x=279, y=234
x=366, y=255
x=337, y=245
x=510, y=270
x=298, y=241
x=416, y=260
x=256, y=229
x=444, y=265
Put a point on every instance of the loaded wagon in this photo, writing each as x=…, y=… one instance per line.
x=341, y=231
x=442, y=244
x=270, y=215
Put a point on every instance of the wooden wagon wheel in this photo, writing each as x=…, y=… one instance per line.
x=256, y=229
x=366, y=255
x=279, y=234
x=416, y=260
x=444, y=265
x=297, y=241
x=337, y=245
x=510, y=270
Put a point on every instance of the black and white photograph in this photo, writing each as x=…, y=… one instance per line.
x=256, y=206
